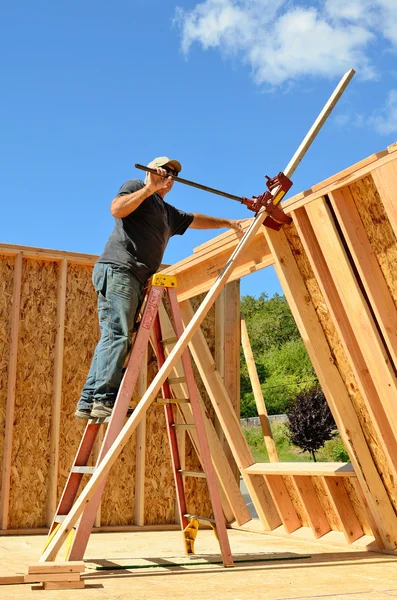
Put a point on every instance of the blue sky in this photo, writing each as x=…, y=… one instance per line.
x=229, y=87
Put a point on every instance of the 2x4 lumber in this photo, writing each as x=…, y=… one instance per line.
x=231, y=375
x=223, y=407
x=342, y=505
x=338, y=177
x=370, y=272
x=385, y=178
x=64, y=585
x=29, y=252
x=57, y=576
x=57, y=393
x=140, y=465
x=347, y=337
x=232, y=499
x=11, y=389
x=355, y=306
x=199, y=272
x=11, y=579
x=334, y=388
x=301, y=200
x=283, y=502
x=220, y=351
x=329, y=469
x=257, y=391
x=67, y=566
x=312, y=505
x=224, y=275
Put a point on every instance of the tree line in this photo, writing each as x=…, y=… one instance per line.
x=281, y=359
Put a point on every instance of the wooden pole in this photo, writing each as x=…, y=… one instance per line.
x=57, y=394
x=259, y=401
x=130, y=426
x=139, y=509
x=12, y=371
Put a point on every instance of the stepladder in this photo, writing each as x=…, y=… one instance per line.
x=149, y=330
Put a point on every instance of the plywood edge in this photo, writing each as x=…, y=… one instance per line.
x=339, y=180
x=329, y=469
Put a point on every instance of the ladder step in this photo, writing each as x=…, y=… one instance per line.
x=59, y=518
x=205, y=519
x=184, y=425
x=88, y=470
x=175, y=380
x=192, y=473
x=172, y=401
x=171, y=340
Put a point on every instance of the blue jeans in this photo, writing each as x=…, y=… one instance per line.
x=119, y=298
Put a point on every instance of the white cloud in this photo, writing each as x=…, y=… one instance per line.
x=385, y=122
x=282, y=41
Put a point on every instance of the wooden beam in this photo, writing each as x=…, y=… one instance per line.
x=257, y=391
x=231, y=377
x=329, y=469
x=11, y=388
x=44, y=254
x=283, y=502
x=256, y=486
x=315, y=512
x=368, y=267
x=343, y=507
x=347, y=337
x=356, y=308
x=318, y=123
x=140, y=464
x=220, y=351
x=57, y=393
x=334, y=388
x=385, y=178
x=302, y=199
x=198, y=273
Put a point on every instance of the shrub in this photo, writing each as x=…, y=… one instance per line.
x=310, y=422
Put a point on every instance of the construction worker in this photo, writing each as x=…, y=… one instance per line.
x=133, y=253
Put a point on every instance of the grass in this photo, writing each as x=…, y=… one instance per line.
x=333, y=450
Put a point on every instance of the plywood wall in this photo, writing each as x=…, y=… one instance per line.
x=48, y=331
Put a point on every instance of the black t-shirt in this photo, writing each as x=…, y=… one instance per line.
x=138, y=240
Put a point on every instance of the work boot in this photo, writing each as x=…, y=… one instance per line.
x=83, y=413
x=101, y=410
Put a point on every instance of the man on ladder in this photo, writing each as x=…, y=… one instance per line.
x=133, y=253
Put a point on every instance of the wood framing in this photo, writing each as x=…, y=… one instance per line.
x=337, y=264
x=41, y=376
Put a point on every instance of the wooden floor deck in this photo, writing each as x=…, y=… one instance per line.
x=281, y=569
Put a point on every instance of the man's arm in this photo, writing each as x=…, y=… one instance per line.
x=207, y=222
x=124, y=205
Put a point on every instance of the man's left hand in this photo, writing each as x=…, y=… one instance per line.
x=237, y=225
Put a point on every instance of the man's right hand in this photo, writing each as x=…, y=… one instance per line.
x=161, y=182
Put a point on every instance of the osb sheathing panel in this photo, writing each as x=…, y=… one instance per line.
x=34, y=385
x=379, y=231
x=341, y=360
x=7, y=265
x=296, y=501
x=322, y=494
x=357, y=505
x=81, y=336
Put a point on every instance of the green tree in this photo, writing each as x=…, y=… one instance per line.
x=310, y=421
x=283, y=365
